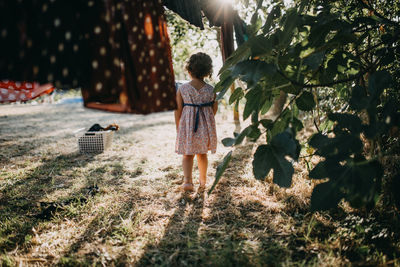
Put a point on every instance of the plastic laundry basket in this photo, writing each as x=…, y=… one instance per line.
x=95, y=142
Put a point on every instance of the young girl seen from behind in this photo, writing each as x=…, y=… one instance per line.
x=194, y=118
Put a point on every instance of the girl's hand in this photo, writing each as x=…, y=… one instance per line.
x=179, y=108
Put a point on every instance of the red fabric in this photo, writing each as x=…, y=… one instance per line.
x=11, y=91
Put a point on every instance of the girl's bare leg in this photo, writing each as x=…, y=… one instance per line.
x=202, y=162
x=187, y=165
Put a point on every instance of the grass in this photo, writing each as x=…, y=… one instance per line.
x=51, y=215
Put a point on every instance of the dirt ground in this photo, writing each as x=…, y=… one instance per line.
x=125, y=206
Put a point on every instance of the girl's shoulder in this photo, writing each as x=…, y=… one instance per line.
x=183, y=86
x=209, y=86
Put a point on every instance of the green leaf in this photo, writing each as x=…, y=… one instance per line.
x=254, y=133
x=346, y=121
x=254, y=117
x=360, y=181
x=379, y=81
x=275, y=12
x=328, y=168
x=240, y=54
x=236, y=95
x=242, y=135
x=255, y=24
x=291, y=22
x=252, y=102
x=266, y=106
x=260, y=46
x=272, y=156
x=267, y=124
x=314, y=60
x=359, y=99
x=357, y=181
x=296, y=124
x=306, y=101
x=223, y=85
x=319, y=171
x=251, y=71
x=267, y=158
x=220, y=170
x=340, y=147
x=261, y=162
x=325, y=196
x=282, y=123
x=342, y=38
x=390, y=114
x=286, y=144
x=228, y=141
x=319, y=140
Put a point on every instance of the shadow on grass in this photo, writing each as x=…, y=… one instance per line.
x=206, y=234
x=20, y=198
x=105, y=226
x=180, y=238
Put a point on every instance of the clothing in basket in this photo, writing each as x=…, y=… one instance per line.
x=189, y=141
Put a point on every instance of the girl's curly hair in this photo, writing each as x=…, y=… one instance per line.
x=200, y=65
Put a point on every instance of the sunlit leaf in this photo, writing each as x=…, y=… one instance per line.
x=236, y=95
x=220, y=170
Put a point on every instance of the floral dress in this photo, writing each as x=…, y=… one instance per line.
x=189, y=141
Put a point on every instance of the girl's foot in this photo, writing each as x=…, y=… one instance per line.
x=201, y=188
x=188, y=185
x=202, y=183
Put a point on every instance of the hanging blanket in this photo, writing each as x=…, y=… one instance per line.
x=22, y=91
x=118, y=52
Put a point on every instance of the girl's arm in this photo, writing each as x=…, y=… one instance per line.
x=179, y=108
x=215, y=105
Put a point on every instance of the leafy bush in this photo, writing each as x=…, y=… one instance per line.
x=323, y=54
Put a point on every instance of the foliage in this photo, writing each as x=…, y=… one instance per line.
x=187, y=39
x=350, y=52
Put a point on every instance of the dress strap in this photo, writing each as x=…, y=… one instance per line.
x=198, y=106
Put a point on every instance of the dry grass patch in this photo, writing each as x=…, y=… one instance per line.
x=125, y=206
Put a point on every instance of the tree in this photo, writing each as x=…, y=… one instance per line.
x=344, y=53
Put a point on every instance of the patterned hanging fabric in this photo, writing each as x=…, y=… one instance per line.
x=117, y=51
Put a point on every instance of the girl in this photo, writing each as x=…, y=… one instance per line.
x=194, y=118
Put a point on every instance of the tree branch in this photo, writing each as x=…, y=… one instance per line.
x=388, y=21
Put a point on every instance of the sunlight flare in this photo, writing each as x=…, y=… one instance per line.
x=231, y=2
